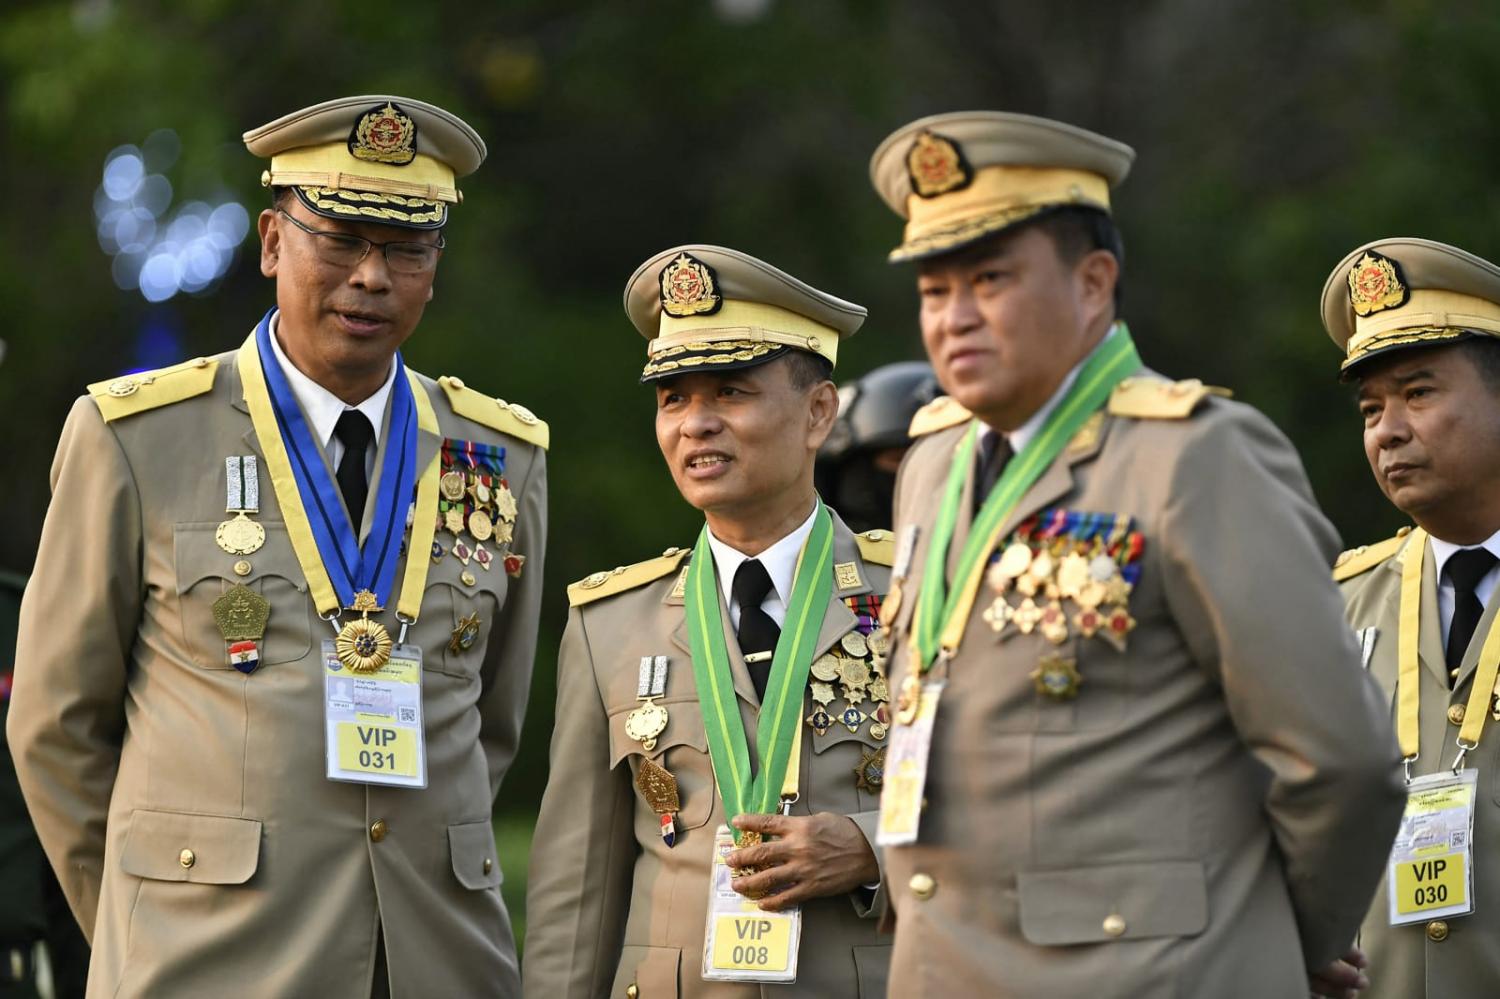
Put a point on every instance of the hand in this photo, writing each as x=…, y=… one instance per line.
x=811, y=856
x=1343, y=979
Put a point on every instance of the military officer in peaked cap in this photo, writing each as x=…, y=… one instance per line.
x=275, y=654
x=1134, y=753
x=740, y=682
x=1418, y=322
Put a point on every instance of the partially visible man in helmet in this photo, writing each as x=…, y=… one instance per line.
x=856, y=469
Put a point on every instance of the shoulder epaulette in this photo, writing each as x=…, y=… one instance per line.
x=131, y=394
x=939, y=414
x=497, y=414
x=1366, y=557
x=625, y=577
x=1160, y=399
x=877, y=546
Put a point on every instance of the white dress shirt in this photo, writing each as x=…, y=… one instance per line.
x=1442, y=551
x=1022, y=435
x=323, y=409
x=780, y=561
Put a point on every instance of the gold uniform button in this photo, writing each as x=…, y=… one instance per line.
x=922, y=885
x=377, y=830
x=469, y=579
x=186, y=858
x=632, y=992
x=242, y=568
x=489, y=865
x=1114, y=924
x=457, y=383
x=1456, y=714
x=1437, y=931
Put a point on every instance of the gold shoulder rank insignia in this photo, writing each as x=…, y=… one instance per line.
x=131, y=394
x=1159, y=398
x=877, y=546
x=1357, y=561
x=939, y=414
x=625, y=577
x=497, y=414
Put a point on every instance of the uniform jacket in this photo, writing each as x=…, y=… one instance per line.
x=608, y=904
x=135, y=739
x=1210, y=814
x=1406, y=962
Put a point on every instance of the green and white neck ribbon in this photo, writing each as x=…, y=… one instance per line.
x=942, y=614
x=781, y=708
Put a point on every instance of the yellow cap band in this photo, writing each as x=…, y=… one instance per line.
x=1428, y=314
x=330, y=165
x=1003, y=191
x=752, y=321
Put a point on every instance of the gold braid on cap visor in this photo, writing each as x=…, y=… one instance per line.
x=1428, y=316
x=999, y=196
x=739, y=331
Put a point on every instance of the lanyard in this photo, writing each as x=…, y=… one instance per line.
x=1408, y=693
x=316, y=544
x=779, y=732
x=942, y=614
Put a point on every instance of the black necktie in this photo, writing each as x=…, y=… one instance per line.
x=758, y=631
x=1465, y=568
x=353, y=431
x=994, y=454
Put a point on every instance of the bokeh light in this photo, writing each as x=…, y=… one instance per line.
x=158, y=251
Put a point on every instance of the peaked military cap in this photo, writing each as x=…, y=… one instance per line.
x=392, y=160
x=1408, y=292
x=713, y=308
x=957, y=178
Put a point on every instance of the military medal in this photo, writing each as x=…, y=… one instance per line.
x=462, y=552
x=1118, y=624
x=452, y=486
x=648, y=721
x=997, y=615
x=505, y=502
x=1057, y=678
x=1054, y=623
x=854, y=644
x=240, y=535
x=244, y=656
x=820, y=721
x=1072, y=575
x=480, y=527
x=659, y=789
x=826, y=668
x=822, y=693
x=851, y=718
x=363, y=645
x=513, y=565
x=464, y=634
x=1027, y=616
x=453, y=520
x=241, y=615
x=869, y=776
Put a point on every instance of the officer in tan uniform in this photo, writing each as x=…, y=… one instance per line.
x=754, y=657
x=275, y=653
x=1134, y=754
x=1418, y=323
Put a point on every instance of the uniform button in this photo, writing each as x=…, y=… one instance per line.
x=469, y=579
x=457, y=383
x=1437, y=931
x=377, y=830
x=632, y=992
x=1456, y=714
x=488, y=865
x=1114, y=924
x=922, y=885
x=242, y=568
x=186, y=858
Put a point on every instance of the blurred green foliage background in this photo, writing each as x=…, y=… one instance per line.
x=1272, y=139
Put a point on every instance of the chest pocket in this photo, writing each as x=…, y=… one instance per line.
x=682, y=749
x=460, y=616
x=205, y=572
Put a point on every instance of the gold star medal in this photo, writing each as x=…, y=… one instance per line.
x=869, y=776
x=1072, y=575
x=822, y=693
x=1057, y=678
x=363, y=645
x=464, y=634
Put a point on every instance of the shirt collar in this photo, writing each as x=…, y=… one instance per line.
x=1023, y=434
x=780, y=559
x=321, y=407
x=1442, y=551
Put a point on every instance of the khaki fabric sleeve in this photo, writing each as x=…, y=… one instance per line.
x=870, y=904
x=1246, y=568
x=78, y=626
x=511, y=653
x=578, y=894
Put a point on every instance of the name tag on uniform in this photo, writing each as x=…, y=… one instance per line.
x=742, y=943
x=906, y=771
x=374, y=720
x=1431, y=871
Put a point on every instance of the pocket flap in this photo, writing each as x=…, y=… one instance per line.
x=684, y=728
x=199, y=557
x=475, y=861
x=1127, y=902
x=182, y=846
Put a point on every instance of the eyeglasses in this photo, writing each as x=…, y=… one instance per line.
x=344, y=250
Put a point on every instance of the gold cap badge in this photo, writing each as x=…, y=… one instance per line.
x=1375, y=284
x=688, y=288
x=937, y=165
x=384, y=134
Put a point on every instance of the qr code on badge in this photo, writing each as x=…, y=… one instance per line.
x=406, y=714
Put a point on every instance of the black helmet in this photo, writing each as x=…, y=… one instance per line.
x=874, y=414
